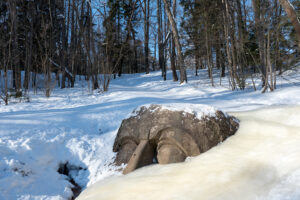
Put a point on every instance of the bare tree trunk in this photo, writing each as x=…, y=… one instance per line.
x=233, y=48
x=222, y=60
x=119, y=40
x=269, y=64
x=197, y=63
x=172, y=49
x=183, y=76
x=28, y=50
x=91, y=47
x=165, y=43
x=278, y=65
x=65, y=31
x=154, y=61
x=160, y=42
x=208, y=57
x=134, y=51
x=6, y=61
x=242, y=61
x=291, y=13
x=15, y=59
x=146, y=32
x=228, y=52
x=73, y=47
x=257, y=7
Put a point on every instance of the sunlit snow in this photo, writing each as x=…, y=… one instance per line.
x=78, y=127
x=260, y=162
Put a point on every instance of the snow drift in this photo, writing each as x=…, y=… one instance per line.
x=261, y=161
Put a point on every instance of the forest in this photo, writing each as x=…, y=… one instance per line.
x=103, y=39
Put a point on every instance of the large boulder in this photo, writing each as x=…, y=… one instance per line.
x=170, y=134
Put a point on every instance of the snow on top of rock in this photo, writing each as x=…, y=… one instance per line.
x=199, y=110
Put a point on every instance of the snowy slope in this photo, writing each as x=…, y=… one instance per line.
x=260, y=162
x=78, y=128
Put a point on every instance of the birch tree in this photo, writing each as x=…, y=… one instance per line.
x=183, y=76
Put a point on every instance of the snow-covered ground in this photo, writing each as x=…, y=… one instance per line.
x=78, y=128
x=260, y=162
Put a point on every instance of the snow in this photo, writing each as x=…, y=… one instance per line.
x=198, y=110
x=77, y=126
x=260, y=162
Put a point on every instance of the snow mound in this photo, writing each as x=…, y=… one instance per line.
x=198, y=110
x=260, y=162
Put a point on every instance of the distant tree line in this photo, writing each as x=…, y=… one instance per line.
x=241, y=37
x=102, y=39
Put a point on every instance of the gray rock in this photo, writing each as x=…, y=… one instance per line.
x=168, y=136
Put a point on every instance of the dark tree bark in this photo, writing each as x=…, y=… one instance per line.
x=146, y=33
x=161, y=56
x=173, y=52
x=259, y=31
x=15, y=60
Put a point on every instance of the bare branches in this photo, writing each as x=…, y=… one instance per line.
x=290, y=11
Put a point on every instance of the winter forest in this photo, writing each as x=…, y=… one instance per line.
x=149, y=99
x=101, y=40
